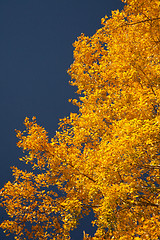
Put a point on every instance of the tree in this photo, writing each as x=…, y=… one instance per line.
x=106, y=158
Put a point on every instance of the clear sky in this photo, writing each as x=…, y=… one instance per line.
x=35, y=52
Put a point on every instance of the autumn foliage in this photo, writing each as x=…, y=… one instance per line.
x=106, y=158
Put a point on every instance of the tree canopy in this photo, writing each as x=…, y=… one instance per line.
x=106, y=157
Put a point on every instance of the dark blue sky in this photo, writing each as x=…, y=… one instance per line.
x=35, y=53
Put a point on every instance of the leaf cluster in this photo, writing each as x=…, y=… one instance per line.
x=106, y=158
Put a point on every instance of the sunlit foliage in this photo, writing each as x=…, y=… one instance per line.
x=106, y=158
